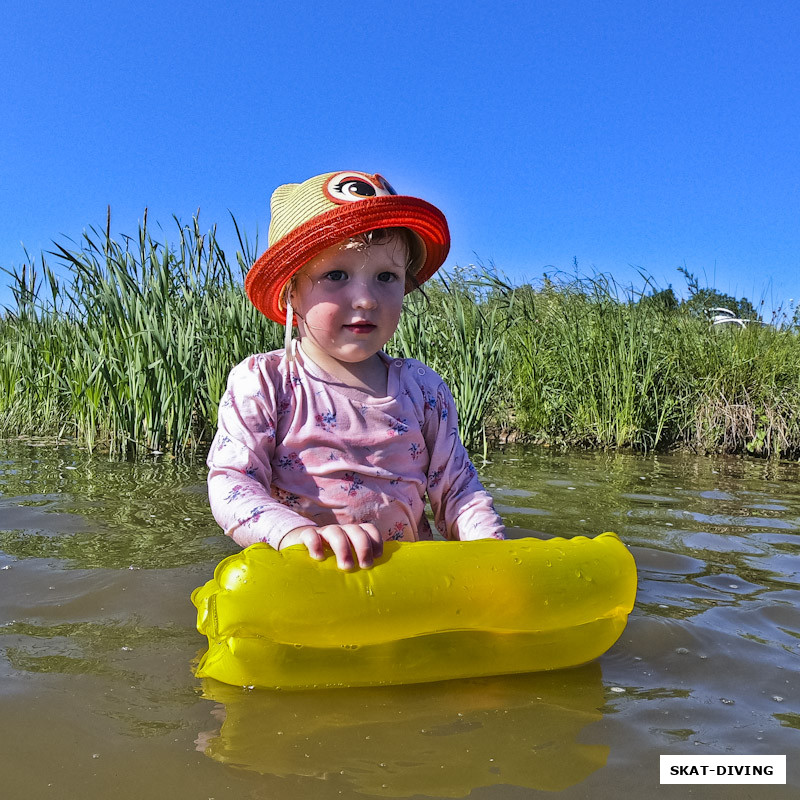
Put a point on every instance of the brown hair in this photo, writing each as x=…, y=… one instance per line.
x=414, y=246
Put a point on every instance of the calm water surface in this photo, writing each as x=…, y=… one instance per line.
x=98, y=700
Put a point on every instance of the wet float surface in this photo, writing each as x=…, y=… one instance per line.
x=97, y=561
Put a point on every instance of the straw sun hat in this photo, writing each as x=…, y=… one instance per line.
x=309, y=217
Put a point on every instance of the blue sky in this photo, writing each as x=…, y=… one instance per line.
x=621, y=134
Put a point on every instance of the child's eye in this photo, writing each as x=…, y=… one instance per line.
x=336, y=275
x=388, y=277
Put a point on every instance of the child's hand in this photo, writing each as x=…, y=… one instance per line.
x=363, y=540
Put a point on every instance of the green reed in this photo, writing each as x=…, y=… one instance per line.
x=458, y=328
x=594, y=364
x=593, y=368
x=130, y=351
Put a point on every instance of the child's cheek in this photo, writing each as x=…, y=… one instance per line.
x=323, y=315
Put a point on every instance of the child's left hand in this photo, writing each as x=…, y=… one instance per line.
x=364, y=540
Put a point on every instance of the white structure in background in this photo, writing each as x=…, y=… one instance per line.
x=724, y=316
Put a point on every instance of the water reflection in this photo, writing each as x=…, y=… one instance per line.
x=57, y=502
x=97, y=561
x=441, y=740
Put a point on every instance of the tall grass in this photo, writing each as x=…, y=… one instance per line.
x=594, y=369
x=594, y=364
x=130, y=352
x=455, y=330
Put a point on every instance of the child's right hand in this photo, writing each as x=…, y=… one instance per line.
x=345, y=540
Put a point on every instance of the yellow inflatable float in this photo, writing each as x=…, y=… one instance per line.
x=426, y=611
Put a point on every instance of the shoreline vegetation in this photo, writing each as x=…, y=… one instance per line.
x=126, y=346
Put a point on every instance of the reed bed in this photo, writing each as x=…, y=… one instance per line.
x=130, y=352
x=126, y=345
x=597, y=365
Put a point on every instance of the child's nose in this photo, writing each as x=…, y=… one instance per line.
x=363, y=295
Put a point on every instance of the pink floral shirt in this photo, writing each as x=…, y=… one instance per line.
x=295, y=446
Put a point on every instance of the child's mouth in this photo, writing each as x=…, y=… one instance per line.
x=361, y=327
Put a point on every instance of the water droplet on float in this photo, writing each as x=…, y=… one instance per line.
x=777, y=698
x=370, y=591
x=681, y=651
x=727, y=702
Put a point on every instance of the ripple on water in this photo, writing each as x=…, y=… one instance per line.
x=647, y=498
x=747, y=522
x=723, y=543
x=729, y=584
x=778, y=568
x=716, y=494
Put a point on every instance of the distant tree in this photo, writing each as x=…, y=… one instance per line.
x=702, y=299
x=662, y=300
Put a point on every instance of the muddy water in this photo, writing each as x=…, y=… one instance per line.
x=97, y=697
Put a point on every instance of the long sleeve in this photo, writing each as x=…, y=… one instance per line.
x=462, y=508
x=240, y=470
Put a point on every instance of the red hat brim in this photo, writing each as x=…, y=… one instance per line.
x=267, y=277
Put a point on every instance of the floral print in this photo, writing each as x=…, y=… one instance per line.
x=291, y=461
x=398, y=427
x=353, y=484
x=235, y=493
x=326, y=420
x=289, y=499
x=397, y=531
x=255, y=514
x=265, y=428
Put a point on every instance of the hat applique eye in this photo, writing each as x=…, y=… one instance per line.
x=345, y=187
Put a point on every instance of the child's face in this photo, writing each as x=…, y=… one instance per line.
x=349, y=300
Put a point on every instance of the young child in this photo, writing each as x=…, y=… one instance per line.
x=329, y=442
